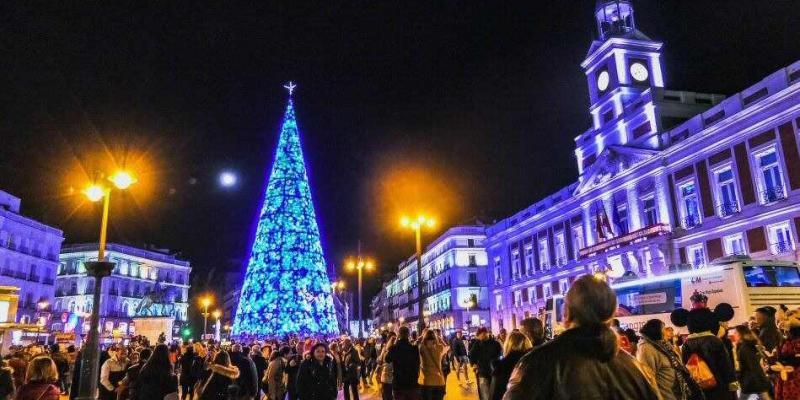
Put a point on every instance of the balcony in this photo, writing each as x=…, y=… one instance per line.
x=781, y=248
x=690, y=221
x=561, y=261
x=728, y=209
x=772, y=195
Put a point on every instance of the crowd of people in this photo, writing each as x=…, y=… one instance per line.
x=594, y=358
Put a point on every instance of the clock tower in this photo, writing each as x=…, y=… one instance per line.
x=621, y=66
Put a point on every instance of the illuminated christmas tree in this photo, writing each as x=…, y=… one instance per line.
x=286, y=288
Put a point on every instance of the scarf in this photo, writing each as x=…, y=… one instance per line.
x=682, y=377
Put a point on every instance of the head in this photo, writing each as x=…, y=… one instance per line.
x=653, y=329
x=702, y=319
x=459, y=334
x=55, y=348
x=743, y=334
x=236, y=348
x=42, y=369
x=765, y=317
x=145, y=354
x=590, y=302
x=404, y=333
x=430, y=336
x=222, y=358
x=503, y=333
x=668, y=332
x=319, y=351
x=516, y=341
x=482, y=333
x=347, y=343
x=533, y=329
x=159, y=359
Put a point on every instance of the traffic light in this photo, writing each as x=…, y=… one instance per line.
x=186, y=332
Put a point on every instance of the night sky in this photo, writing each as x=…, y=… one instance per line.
x=461, y=109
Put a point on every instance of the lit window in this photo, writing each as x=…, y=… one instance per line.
x=515, y=265
x=770, y=179
x=780, y=238
x=564, y=285
x=517, y=298
x=734, y=245
x=622, y=218
x=577, y=240
x=544, y=256
x=690, y=205
x=697, y=255
x=498, y=272
x=548, y=291
x=727, y=203
x=649, y=210
x=532, y=295
x=529, y=260
x=561, y=249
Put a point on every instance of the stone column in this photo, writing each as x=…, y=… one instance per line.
x=634, y=213
x=663, y=204
x=588, y=229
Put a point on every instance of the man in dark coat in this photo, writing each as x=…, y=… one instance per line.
x=351, y=362
x=261, y=366
x=404, y=357
x=483, y=352
x=247, y=381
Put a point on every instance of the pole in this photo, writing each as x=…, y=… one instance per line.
x=420, y=301
x=360, y=300
x=205, y=321
x=101, y=249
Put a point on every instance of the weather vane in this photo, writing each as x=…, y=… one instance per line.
x=290, y=87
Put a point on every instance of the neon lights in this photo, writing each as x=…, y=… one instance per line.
x=286, y=289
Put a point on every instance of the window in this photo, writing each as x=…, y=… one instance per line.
x=498, y=272
x=734, y=245
x=532, y=295
x=561, y=249
x=472, y=260
x=649, y=210
x=690, y=205
x=769, y=177
x=780, y=238
x=727, y=203
x=622, y=218
x=548, y=291
x=697, y=255
x=577, y=240
x=470, y=242
x=529, y=260
x=771, y=276
x=544, y=256
x=563, y=284
x=473, y=279
x=515, y=265
x=517, y=298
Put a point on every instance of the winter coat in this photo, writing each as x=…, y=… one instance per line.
x=131, y=382
x=405, y=358
x=430, y=371
x=20, y=368
x=351, y=361
x=216, y=386
x=261, y=367
x=187, y=367
x=370, y=352
x=770, y=337
x=711, y=349
x=458, y=348
x=274, y=377
x=501, y=372
x=248, y=380
x=154, y=384
x=317, y=381
x=659, y=365
x=752, y=378
x=387, y=371
x=38, y=391
x=482, y=353
x=6, y=383
x=580, y=363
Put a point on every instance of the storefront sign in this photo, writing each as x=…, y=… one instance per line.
x=644, y=233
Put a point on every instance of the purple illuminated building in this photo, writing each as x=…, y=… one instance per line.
x=665, y=178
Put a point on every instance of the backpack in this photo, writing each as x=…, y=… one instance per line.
x=700, y=372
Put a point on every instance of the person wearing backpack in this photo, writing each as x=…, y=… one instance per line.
x=703, y=353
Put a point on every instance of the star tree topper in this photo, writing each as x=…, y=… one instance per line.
x=290, y=87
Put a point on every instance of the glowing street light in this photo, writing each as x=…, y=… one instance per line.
x=416, y=224
x=360, y=265
x=205, y=302
x=227, y=179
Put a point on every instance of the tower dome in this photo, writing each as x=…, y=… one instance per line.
x=614, y=18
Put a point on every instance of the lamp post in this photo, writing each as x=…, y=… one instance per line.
x=338, y=287
x=217, y=314
x=360, y=265
x=416, y=225
x=205, y=302
x=87, y=390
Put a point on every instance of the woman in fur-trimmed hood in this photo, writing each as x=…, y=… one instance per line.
x=223, y=375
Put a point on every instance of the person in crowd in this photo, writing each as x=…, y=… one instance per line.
x=671, y=339
x=350, y=363
x=502, y=335
x=584, y=361
x=787, y=384
x=533, y=329
x=41, y=381
x=386, y=369
x=187, y=374
x=223, y=374
x=459, y=353
x=768, y=333
x=633, y=339
x=753, y=381
x=292, y=366
x=130, y=383
x=432, y=378
x=515, y=347
x=62, y=366
x=672, y=378
x=405, y=360
x=247, y=382
x=482, y=353
x=112, y=372
x=274, y=375
x=370, y=353
x=317, y=376
x=157, y=378
x=622, y=338
x=261, y=367
x=76, y=376
x=6, y=381
x=19, y=365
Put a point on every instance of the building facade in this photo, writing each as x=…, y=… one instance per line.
x=455, y=286
x=137, y=273
x=666, y=179
x=28, y=259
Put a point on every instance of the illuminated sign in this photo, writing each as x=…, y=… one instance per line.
x=644, y=233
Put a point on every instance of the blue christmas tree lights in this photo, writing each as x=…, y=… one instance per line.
x=286, y=288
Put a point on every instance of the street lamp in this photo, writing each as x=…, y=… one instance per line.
x=416, y=225
x=205, y=302
x=360, y=265
x=99, y=269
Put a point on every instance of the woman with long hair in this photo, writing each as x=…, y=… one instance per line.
x=672, y=377
x=223, y=374
x=386, y=369
x=41, y=381
x=515, y=346
x=157, y=378
x=752, y=379
x=585, y=360
x=431, y=376
x=317, y=377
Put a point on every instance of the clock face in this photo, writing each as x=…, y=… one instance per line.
x=602, y=80
x=639, y=72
